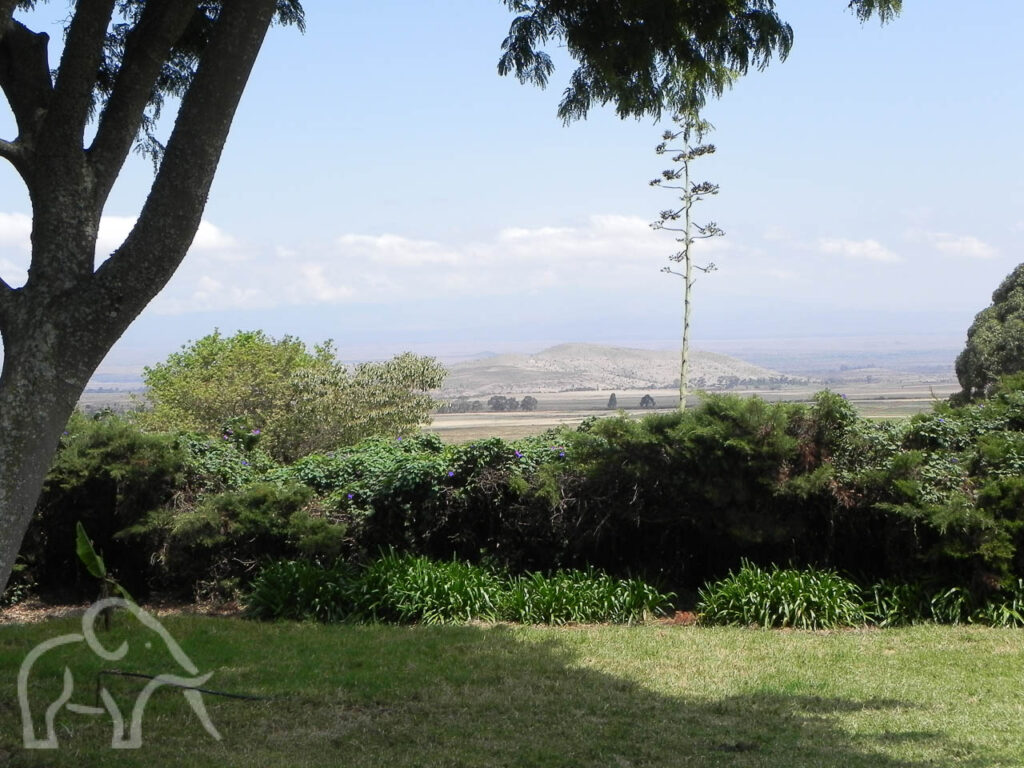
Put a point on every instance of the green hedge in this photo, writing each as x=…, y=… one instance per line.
x=676, y=499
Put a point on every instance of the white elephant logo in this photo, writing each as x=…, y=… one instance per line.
x=119, y=740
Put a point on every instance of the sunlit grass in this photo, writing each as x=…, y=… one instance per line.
x=498, y=695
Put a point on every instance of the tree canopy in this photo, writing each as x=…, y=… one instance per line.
x=295, y=400
x=646, y=56
x=995, y=340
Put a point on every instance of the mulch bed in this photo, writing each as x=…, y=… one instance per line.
x=33, y=610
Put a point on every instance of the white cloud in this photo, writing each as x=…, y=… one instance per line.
x=209, y=238
x=866, y=250
x=962, y=245
x=396, y=250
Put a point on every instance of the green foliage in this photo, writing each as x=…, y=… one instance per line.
x=695, y=54
x=803, y=599
x=303, y=590
x=107, y=475
x=19, y=587
x=407, y=588
x=586, y=596
x=995, y=340
x=1005, y=608
x=215, y=545
x=95, y=566
x=215, y=464
x=892, y=604
x=250, y=388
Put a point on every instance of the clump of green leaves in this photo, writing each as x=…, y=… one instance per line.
x=303, y=589
x=777, y=597
x=406, y=588
x=409, y=588
x=580, y=596
x=251, y=388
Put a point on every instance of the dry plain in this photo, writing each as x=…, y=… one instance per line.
x=877, y=400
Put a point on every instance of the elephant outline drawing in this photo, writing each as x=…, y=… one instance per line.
x=119, y=739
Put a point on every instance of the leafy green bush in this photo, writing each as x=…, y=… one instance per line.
x=804, y=599
x=580, y=596
x=407, y=588
x=1005, y=608
x=107, y=475
x=250, y=388
x=215, y=546
x=303, y=589
x=891, y=604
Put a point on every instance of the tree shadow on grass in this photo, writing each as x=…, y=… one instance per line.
x=483, y=696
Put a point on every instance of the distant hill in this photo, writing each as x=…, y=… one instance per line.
x=569, y=367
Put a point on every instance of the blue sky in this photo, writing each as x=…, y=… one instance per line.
x=384, y=187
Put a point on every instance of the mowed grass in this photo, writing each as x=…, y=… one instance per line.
x=654, y=695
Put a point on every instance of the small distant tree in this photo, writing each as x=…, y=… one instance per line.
x=528, y=403
x=613, y=403
x=691, y=132
x=498, y=403
x=647, y=402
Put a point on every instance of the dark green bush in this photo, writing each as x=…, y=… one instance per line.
x=215, y=546
x=891, y=604
x=303, y=589
x=108, y=475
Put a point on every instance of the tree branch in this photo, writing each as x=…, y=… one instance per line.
x=146, y=52
x=63, y=128
x=24, y=73
x=6, y=297
x=14, y=153
x=144, y=263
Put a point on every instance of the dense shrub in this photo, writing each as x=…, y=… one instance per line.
x=678, y=499
x=215, y=546
x=581, y=597
x=108, y=475
x=411, y=588
x=776, y=597
x=406, y=588
x=303, y=589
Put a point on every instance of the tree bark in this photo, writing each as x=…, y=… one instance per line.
x=58, y=327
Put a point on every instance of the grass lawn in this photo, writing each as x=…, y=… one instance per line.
x=526, y=696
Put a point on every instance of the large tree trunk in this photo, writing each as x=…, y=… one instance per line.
x=58, y=327
x=37, y=396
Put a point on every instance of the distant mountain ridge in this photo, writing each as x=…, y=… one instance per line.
x=568, y=367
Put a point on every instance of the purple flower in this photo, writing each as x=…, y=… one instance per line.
x=843, y=396
x=519, y=454
x=351, y=496
x=245, y=463
x=942, y=421
x=451, y=473
x=955, y=460
x=399, y=438
x=255, y=432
